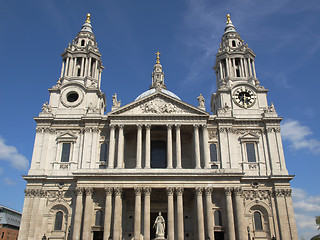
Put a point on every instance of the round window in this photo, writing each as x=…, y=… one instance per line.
x=72, y=96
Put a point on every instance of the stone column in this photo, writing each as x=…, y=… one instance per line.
x=148, y=145
x=146, y=228
x=292, y=220
x=282, y=213
x=120, y=147
x=245, y=63
x=78, y=214
x=23, y=231
x=234, y=67
x=250, y=68
x=170, y=214
x=228, y=67
x=242, y=67
x=206, y=149
x=210, y=229
x=62, y=68
x=87, y=221
x=95, y=69
x=254, y=69
x=220, y=70
x=137, y=213
x=74, y=67
x=89, y=66
x=180, y=224
x=169, y=146
x=82, y=67
x=230, y=220
x=107, y=214
x=241, y=228
x=200, y=213
x=178, y=146
x=86, y=67
x=111, y=147
x=34, y=213
x=196, y=145
x=117, y=214
x=67, y=66
x=139, y=146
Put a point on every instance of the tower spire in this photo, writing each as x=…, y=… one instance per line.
x=88, y=18
x=157, y=74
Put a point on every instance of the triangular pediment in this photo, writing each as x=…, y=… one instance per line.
x=67, y=136
x=158, y=103
x=249, y=137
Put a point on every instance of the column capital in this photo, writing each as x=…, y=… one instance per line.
x=139, y=126
x=228, y=191
x=204, y=126
x=179, y=191
x=79, y=191
x=137, y=191
x=170, y=191
x=147, y=191
x=238, y=191
x=199, y=191
x=112, y=126
x=169, y=126
x=118, y=191
x=148, y=126
x=121, y=126
x=177, y=126
x=195, y=126
x=89, y=191
x=208, y=191
x=108, y=190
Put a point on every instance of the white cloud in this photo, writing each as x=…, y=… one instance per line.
x=11, y=154
x=299, y=136
x=306, y=207
x=9, y=182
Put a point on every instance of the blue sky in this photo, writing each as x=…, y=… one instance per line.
x=285, y=36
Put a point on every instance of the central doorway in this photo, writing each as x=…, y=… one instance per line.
x=98, y=235
x=158, y=154
x=152, y=220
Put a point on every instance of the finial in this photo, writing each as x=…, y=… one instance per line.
x=228, y=18
x=158, y=57
x=88, y=18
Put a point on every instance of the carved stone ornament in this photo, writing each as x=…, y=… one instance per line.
x=228, y=191
x=256, y=194
x=79, y=191
x=225, y=108
x=179, y=191
x=199, y=191
x=138, y=191
x=212, y=133
x=46, y=108
x=208, y=191
x=89, y=191
x=238, y=191
x=58, y=196
x=109, y=191
x=115, y=102
x=159, y=106
x=64, y=166
x=282, y=192
x=201, y=101
x=170, y=191
x=92, y=109
x=118, y=191
x=147, y=191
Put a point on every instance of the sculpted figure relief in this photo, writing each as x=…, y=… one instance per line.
x=160, y=226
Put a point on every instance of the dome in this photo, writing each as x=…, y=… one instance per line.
x=153, y=90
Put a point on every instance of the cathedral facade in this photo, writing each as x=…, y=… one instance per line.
x=158, y=167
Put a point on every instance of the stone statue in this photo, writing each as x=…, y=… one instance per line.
x=115, y=102
x=160, y=226
x=46, y=108
x=201, y=101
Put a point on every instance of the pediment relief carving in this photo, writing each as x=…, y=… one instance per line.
x=159, y=105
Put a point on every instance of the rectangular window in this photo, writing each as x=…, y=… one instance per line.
x=251, y=155
x=213, y=153
x=104, y=152
x=65, y=155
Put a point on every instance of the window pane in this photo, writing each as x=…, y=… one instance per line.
x=251, y=152
x=65, y=152
x=257, y=221
x=104, y=152
x=58, y=221
x=213, y=153
x=217, y=218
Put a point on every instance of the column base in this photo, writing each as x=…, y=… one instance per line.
x=159, y=238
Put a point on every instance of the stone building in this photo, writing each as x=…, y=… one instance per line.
x=218, y=175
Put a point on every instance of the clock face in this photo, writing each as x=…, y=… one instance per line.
x=244, y=97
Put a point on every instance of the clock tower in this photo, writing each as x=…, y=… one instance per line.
x=239, y=93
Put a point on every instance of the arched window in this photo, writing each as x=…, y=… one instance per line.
x=233, y=43
x=99, y=218
x=257, y=221
x=82, y=43
x=217, y=218
x=58, y=221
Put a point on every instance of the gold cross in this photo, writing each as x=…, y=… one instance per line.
x=158, y=58
x=88, y=18
x=228, y=18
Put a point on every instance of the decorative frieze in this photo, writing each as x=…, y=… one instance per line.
x=282, y=192
x=256, y=194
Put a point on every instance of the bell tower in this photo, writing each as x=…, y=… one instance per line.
x=239, y=92
x=77, y=92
